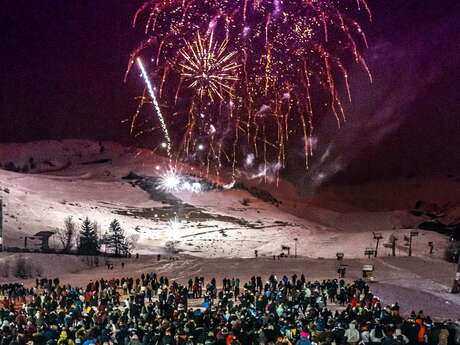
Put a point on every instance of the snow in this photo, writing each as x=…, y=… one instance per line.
x=399, y=279
x=37, y=202
x=217, y=231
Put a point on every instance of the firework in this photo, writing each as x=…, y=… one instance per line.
x=156, y=106
x=172, y=181
x=174, y=229
x=193, y=187
x=208, y=67
x=244, y=78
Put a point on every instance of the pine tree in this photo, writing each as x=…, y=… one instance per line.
x=89, y=241
x=116, y=241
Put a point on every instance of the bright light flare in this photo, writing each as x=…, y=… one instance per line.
x=174, y=229
x=171, y=181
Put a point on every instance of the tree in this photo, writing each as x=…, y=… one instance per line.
x=116, y=241
x=89, y=241
x=26, y=268
x=452, y=251
x=67, y=235
x=10, y=166
x=32, y=163
x=21, y=268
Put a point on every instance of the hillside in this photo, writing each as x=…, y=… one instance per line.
x=82, y=178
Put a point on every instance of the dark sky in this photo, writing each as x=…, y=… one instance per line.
x=62, y=64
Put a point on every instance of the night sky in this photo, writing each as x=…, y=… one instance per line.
x=62, y=65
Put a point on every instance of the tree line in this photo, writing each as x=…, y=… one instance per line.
x=87, y=239
x=25, y=168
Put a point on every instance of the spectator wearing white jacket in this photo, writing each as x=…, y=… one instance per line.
x=352, y=334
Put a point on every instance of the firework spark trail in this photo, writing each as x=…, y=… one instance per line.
x=255, y=71
x=208, y=67
x=156, y=106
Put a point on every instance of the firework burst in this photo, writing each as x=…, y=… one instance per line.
x=240, y=77
x=209, y=68
x=169, y=181
x=172, y=181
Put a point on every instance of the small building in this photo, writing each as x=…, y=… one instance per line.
x=41, y=236
x=44, y=237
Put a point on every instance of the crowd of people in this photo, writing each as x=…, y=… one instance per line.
x=152, y=309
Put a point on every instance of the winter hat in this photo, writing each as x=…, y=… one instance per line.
x=304, y=334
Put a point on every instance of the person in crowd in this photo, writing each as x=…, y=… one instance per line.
x=352, y=334
x=443, y=336
x=153, y=310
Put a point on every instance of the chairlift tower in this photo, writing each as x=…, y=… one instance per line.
x=408, y=240
x=377, y=236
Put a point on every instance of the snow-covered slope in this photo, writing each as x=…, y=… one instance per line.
x=82, y=178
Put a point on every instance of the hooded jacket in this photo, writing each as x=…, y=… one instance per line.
x=352, y=334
